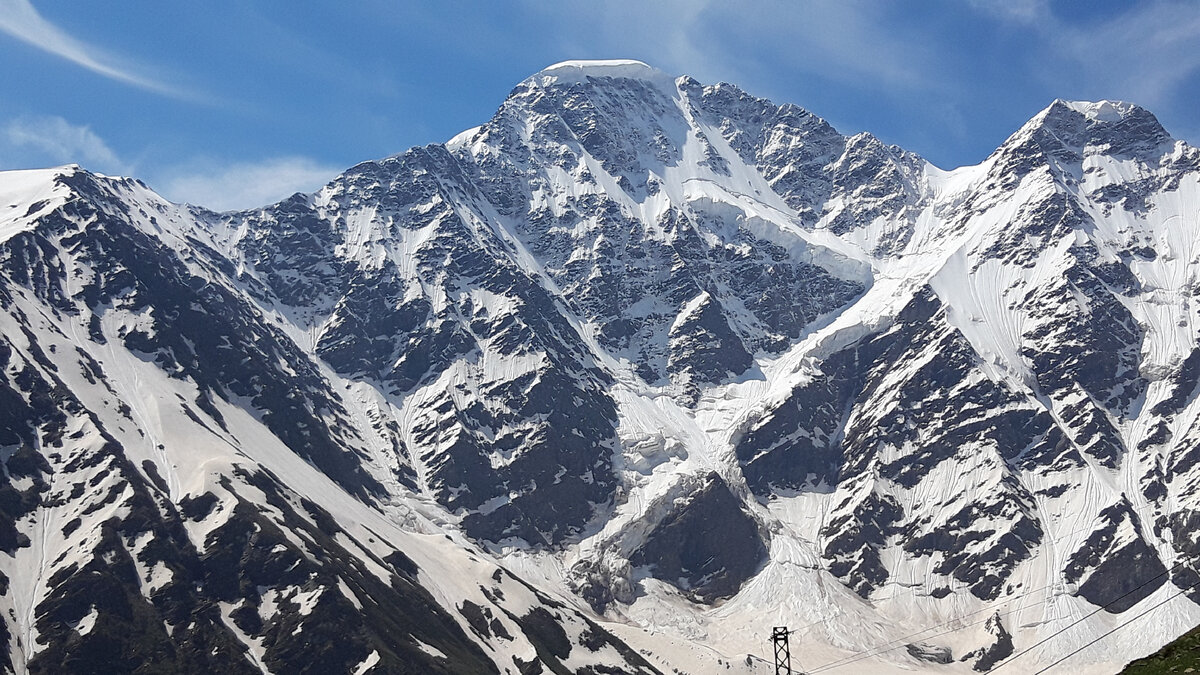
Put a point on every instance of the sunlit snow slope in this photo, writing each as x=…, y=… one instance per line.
x=617, y=381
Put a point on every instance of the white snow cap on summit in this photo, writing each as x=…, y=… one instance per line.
x=1100, y=111
x=1095, y=112
x=568, y=72
x=21, y=189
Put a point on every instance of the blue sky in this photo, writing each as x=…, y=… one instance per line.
x=230, y=103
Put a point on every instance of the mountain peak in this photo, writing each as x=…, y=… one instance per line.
x=1092, y=118
x=571, y=72
x=1102, y=111
x=27, y=193
x=1085, y=127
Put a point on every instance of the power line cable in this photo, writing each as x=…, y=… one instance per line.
x=1058, y=538
x=837, y=663
x=1118, y=627
x=1087, y=616
x=876, y=652
x=854, y=658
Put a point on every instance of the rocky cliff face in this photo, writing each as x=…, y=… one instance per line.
x=661, y=351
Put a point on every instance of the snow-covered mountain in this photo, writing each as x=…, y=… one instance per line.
x=614, y=382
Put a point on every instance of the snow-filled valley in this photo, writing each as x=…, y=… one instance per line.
x=615, y=382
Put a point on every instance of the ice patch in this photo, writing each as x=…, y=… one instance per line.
x=307, y=600
x=1101, y=111
x=367, y=663
x=88, y=622
x=460, y=139
x=21, y=191
x=429, y=649
x=571, y=72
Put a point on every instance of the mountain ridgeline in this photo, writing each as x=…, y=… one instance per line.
x=612, y=383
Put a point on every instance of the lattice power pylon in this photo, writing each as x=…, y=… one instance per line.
x=783, y=654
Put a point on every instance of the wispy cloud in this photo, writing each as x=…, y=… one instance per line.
x=30, y=141
x=53, y=140
x=832, y=38
x=1021, y=11
x=846, y=39
x=244, y=185
x=19, y=19
x=1142, y=53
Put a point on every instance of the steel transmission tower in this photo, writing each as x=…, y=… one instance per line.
x=783, y=654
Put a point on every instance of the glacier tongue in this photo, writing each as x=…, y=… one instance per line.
x=617, y=380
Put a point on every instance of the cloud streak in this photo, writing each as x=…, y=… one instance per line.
x=245, y=185
x=1020, y=11
x=52, y=139
x=842, y=38
x=41, y=141
x=19, y=19
x=1141, y=54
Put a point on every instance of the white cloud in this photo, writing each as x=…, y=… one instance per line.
x=1021, y=11
x=845, y=40
x=1141, y=55
x=39, y=141
x=29, y=142
x=19, y=19
x=245, y=185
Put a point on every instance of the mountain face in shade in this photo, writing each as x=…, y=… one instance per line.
x=612, y=383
